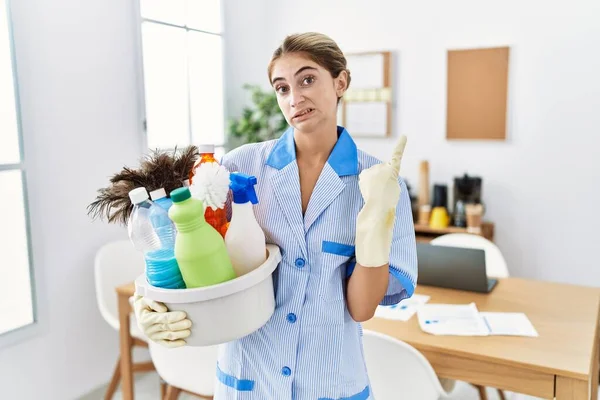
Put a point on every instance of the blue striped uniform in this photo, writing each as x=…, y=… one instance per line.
x=310, y=348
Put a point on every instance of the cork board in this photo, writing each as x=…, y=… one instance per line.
x=477, y=94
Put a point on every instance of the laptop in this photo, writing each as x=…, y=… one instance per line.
x=453, y=268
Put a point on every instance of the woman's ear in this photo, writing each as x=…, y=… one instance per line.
x=341, y=83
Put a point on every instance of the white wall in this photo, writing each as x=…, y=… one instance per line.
x=245, y=51
x=542, y=185
x=76, y=66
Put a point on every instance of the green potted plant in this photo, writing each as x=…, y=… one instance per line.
x=260, y=122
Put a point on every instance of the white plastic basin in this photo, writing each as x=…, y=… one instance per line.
x=224, y=312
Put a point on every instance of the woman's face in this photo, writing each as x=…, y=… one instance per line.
x=306, y=92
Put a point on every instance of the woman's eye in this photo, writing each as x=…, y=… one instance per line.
x=308, y=80
x=281, y=89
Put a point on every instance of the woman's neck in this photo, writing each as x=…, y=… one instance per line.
x=315, y=147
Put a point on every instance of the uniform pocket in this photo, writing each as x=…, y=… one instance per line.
x=334, y=260
x=232, y=381
x=229, y=370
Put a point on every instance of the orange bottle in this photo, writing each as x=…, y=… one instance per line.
x=216, y=218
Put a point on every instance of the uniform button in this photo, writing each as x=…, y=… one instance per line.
x=300, y=262
x=285, y=371
x=291, y=317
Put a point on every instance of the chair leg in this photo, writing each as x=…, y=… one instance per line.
x=482, y=392
x=114, y=382
x=163, y=389
x=172, y=393
x=501, y=394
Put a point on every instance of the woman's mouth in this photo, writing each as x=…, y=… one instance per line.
x=304, y=114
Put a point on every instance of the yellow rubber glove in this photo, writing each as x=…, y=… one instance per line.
x=168, y=328
x=380, y=190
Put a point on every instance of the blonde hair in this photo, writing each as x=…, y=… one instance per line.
x=317, y=47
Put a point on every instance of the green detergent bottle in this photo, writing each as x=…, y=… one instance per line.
x=199, y=249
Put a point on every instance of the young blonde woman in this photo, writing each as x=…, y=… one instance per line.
x=343, y=222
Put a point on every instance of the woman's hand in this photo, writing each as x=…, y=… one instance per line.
x=374, y=232
x=375, y=222
x=168, y=328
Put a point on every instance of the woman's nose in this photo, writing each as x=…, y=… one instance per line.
x=296, y=98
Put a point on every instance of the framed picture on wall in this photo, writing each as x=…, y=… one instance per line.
x=366, y=108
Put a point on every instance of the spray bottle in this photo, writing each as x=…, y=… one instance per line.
x=245, y=239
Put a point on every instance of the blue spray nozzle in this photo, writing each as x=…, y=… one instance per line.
x=242, y=186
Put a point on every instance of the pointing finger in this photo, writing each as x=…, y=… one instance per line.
x=398, y=152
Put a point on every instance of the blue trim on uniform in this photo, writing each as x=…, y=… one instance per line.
x=343, y=158
x=364, y=395
x=243, y=385
x=404, y=281
x=284, y=151
x=337, y=248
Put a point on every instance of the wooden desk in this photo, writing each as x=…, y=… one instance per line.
x=562, y=362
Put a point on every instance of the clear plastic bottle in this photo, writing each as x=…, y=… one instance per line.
x=153, y=233
x=159, y=196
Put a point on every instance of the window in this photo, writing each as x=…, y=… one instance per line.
x=16, y=284
x=182, y=50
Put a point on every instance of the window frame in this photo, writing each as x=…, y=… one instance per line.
x=139, y=20
x=24, y=332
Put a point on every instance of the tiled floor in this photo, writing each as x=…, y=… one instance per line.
x=148, y=388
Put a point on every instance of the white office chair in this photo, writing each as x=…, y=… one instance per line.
x=186, y=369
x=117, y=263
x=495, y=266
x=494, y=261
x=399, y=371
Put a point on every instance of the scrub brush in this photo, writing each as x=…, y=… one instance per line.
x=211, y=185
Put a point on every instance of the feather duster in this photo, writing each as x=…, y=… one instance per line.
x=159, y=169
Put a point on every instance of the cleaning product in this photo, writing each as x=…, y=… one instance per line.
x=152, y=232
x=215, y=216
x=199, y=249
x=159, y=196
x=211, y=186
x=245, y=239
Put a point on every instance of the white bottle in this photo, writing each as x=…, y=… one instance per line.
x=245, y=239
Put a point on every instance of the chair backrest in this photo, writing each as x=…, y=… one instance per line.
x=399, y=371
x=495, y=263
x=116, y=263
x=189, y=368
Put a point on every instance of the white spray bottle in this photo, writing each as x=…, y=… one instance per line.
x=245, y=239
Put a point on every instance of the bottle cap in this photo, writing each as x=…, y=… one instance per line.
x=206, y=148
x=138, y=195
x=180, y=194
x=158, y=194
x=242, y=187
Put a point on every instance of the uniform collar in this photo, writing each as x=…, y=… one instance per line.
x=343, y=158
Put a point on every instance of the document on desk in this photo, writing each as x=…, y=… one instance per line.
x=466, y=320
x=402, y=311
x=509, y=324
x=452, y=319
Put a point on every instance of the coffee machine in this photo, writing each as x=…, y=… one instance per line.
x=467, y=189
